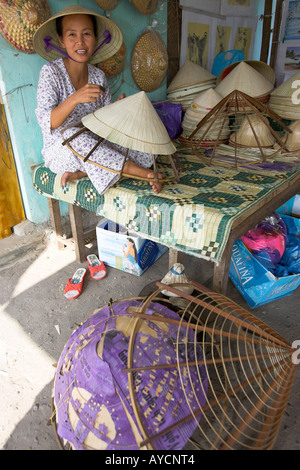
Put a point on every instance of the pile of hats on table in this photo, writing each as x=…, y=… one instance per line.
x=253, y=78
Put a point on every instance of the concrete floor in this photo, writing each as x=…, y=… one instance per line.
x=37, y=321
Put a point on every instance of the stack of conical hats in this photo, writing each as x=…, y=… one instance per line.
x=190, y=80
x=284, y=101
x=201, y=105
x=253, y=132
x=245, y=78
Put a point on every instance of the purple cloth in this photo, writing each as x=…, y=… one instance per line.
x=89, y=386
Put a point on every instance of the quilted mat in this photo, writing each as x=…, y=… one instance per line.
x=193, y=216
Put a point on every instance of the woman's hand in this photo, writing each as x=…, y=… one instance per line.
x=88, y=93
x=121, y=97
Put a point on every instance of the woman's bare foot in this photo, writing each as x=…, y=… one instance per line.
x=131, y=168
x=156, y=184
x=69, y=175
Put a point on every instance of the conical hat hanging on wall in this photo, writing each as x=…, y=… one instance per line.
x=149, y=61
x=19, y=20
x=245, y=79
x=190, y=74
x=107, y=4
x=132, y=123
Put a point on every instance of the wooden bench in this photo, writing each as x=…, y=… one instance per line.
x=203, y=215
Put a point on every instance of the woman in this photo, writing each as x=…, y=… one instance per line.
x=69, y=88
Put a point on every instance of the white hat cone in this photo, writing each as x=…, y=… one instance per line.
x=245, y=79
x=190, y=74
x=132, y=123
x=177, y=275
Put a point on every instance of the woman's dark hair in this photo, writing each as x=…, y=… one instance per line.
x=59, y=28
x=134, y=247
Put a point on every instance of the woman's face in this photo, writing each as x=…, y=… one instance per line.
x=78, y=37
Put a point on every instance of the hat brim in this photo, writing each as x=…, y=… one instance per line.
x=48, y=29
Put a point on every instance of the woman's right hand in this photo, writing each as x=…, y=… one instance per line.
x=87, y=93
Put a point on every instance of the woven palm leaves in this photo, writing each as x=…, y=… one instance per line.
x=139, y=375
x=284, y=100
x=190, y=80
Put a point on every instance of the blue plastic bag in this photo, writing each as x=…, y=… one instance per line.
x=171, y=116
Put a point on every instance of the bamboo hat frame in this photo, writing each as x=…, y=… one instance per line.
x=235, y=105
x=234, y=387
x=132, y=123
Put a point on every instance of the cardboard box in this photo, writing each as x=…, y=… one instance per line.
x=291, y=207
x=127, y=252
x=257, y=285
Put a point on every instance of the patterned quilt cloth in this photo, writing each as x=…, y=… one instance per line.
x=194, y=215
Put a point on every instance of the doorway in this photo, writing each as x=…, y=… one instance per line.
x=11, y=205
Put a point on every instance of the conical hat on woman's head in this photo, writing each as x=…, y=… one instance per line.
x=132, y=123
x=246, y=79
x=109, y=36
x=190, y=74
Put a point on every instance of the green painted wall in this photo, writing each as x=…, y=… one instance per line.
x=19, y=73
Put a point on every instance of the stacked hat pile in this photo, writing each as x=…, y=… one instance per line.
x=284, y=101
x=254, y=78
x=190, y=80
x=202, y=104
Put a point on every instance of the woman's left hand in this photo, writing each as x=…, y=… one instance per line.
x=121, y=97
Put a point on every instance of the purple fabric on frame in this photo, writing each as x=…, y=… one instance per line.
x=88, y=385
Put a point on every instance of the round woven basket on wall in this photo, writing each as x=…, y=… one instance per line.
x=19, y=20
x=146, y=7
x=149, y=61
x=115, y=64
x=107, y=4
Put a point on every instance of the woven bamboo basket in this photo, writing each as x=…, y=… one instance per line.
x=149, y=61
x=19, y=20
x=107, y=5
x=115, y=64
x=146, y=7
x=207, y=375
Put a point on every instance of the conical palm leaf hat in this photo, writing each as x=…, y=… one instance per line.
x=253, y=133
x=206, y=100
x=245, y=79
x=190, y=74
x=132, y=123
x=292, y=142
x=109, y=36
x=286, y=89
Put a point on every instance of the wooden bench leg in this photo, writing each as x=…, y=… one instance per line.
x=77, y=232
x=221, y=271
x=55, y=218
x=175, y=256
